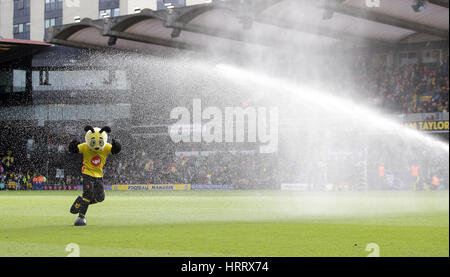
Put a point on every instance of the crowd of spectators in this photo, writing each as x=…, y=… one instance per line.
x=240, y=169
x=13, y=177
x=405, y=89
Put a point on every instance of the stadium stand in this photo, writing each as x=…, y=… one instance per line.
x=404, y=89
x=412, y=88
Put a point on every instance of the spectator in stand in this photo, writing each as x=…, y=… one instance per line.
x=2, y=181
x=19, y=181
x=8, y=161
x=12, y=184
x=34, y=182
x=29, y=181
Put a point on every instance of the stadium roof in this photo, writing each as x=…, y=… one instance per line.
x=11, y=49
x=260, y=24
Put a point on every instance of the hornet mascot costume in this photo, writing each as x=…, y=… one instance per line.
x=95, y=151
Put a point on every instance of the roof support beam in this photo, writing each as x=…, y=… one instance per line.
x=152, y=40
x=116, y=28
x=385, y=19
x=219, y=33
x=321, y=31
x=75, y=44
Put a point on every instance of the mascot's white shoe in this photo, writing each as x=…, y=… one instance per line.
x=80, y=221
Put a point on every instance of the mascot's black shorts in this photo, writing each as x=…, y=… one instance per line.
x=93, y=189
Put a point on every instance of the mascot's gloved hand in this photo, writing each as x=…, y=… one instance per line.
x=73, y=146
x=116, y=146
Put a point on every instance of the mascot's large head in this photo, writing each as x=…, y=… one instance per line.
x=96, y=138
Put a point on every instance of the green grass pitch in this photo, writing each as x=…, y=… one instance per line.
x=227, y=223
